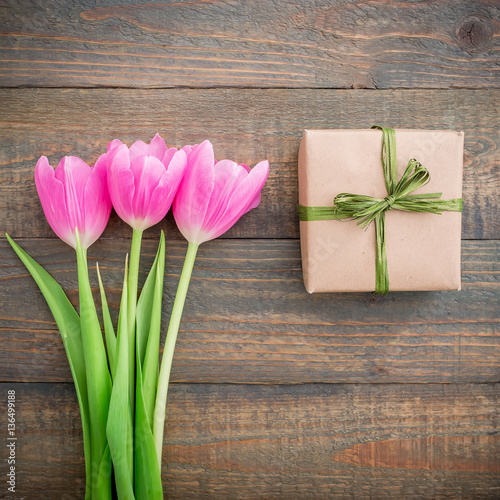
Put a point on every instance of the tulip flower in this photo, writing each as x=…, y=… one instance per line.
x=77, y=205
x=142, y=181
x=210, y=200
x=74, y=197
x=214, y=195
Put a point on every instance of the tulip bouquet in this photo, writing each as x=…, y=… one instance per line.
x=120, y=385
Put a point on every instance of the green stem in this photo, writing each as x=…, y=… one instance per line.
x=133, y=277
x=168, y=351
x=97, y=373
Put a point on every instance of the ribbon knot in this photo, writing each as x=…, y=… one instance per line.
x=367, y=209
x=390, y=200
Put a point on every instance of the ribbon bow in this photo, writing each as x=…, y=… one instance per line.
x=366, y=209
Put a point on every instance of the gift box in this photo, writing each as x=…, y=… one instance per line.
x=422, y=249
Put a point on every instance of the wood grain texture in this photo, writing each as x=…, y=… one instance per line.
x=301, y=442
x=248, y=318
x=301, y=43
x=245, y=125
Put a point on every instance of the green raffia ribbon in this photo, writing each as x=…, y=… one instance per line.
x=366, y=209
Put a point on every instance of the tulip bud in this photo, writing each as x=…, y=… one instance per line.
x=214, y=195
x=74, y=197
x=143, y=180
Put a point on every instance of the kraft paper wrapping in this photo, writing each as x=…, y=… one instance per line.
x=423, y=250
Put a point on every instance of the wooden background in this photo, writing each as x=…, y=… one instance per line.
x=275, y=394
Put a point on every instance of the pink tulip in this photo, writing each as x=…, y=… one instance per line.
x=143, y=180
x=74, y=196
x=214, y=195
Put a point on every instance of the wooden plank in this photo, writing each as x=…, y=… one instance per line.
x=248, y=318
x=302, y=442
x=246, y=125
x=312, y=43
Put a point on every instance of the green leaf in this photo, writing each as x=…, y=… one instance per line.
x=97, y=371
x=143, y=311
x=108, y=327
x=148, y=483
x=148, y=327
x=68, y=323
x=103, y=482
x=119, y=428
x=147, y=473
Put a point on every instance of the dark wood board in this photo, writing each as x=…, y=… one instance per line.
x=275, y=393
x=245, y=125
x=300, y=43
x=317, y=441
x=248, y=318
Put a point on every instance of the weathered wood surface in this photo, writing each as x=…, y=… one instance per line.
x=307, y=441
x=276, y=394
x=245, y=125
x=300, y=43
x=248, y=318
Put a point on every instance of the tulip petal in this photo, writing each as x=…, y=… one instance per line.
x=97, y=202
x=139, y=148
x=252, y=186
x=193, y=195
x=164, y=193
x=114, y=144
x=188, y=149
x=169, y=154
x=256, y=200
x=53, y=199
x=157, y=147
x=243, y=196
x=74, y=173
x=228, y=175
x=254, y=203
x=147, y=172
x=121, y=182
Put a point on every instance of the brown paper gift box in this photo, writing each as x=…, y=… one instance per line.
x=423, y=250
